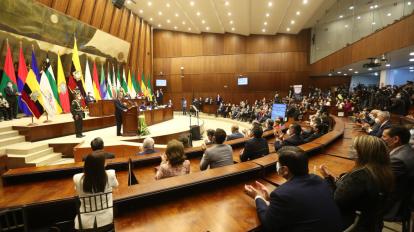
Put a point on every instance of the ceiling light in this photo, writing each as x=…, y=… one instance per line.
x=183, y=22
x=288, y=29
x=203, y=21
x=376, y=74
x=346, y=26
x=356, y=72
x=150, y=19
x=376, y=6
x=198, y=13
x=411, y=53
x=159, y=25
x=175, y=27
x=292, y=22
x=129, y=2
x=297, y=12
x=176, y=15
x=341, y=16
x=141, y=11
x=351, y=7
x=270, y=4
x=305, y=1
x=371, y=7
x=389, y=14
x=231, y=22
x=359, y=17
x=387, y=65
x=330, y=74
x=411, y=70
x=192, y=3
x=409, y=3
x=149, y=3
x=168, y=5
x=229, y=14
x=233, y=28
x=168, y=21
x=370, y=69
x=227, y=3
x=411, y=67
x=189, y=28
x=345, y=74
x=373, y=23
x=265, y=23
x=159, y=13
x=207, y=28
x=267, y=15
x=339, y=72
x=411, y=60
x=263, y=30
x=350, y=69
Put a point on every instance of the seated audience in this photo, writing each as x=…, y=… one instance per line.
x=210, y=137
x=316, y=133
x=255, y=147
x=402, y=164
x=185, y=141
x=219, y=155
x=235, y=134
x=269, y=125
x=173, y=162
x=97, y=146
x=148, y=146
x=383, y=120
x=303, y=203
x=95, y=180
x=366, y=188
x=294, y=137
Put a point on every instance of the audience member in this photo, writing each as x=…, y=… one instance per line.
x=366, y=188
x=97, y=146
x=173, y=162
x=294, y=137
x=383, y=120
x=255, y=147
x=210, y=137
x=147, y=146
x=185, y=141
x=303, y=203
x=235, y=134
x=95, y=180
x=219, y=155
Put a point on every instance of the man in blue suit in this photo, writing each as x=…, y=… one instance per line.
x=304, y=203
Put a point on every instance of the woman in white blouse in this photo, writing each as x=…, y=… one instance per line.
x=95, y=180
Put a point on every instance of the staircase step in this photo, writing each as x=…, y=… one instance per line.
x=31, y=156
x=45, y=160
x=12, y=140
x=26, y=148
x=8, y=134
x=6, y=128
x=63, y=161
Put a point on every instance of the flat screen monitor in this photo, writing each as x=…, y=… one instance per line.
x=242, y=81
x=278, y=111
x=161, y=82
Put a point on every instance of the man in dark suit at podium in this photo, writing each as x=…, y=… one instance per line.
x=90, y=98
x=119, y=108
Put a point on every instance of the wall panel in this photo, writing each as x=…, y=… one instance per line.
x=74, y=8
x=87, y=10
x=60, y=5
x=98, y=13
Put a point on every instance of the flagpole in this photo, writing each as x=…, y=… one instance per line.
x=47, y=118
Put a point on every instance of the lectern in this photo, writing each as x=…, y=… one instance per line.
x=130, y=125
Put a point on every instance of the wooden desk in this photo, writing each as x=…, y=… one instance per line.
x=209, y=108
x=157, y=115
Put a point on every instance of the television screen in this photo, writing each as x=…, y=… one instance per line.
x=160, y=82
x=278, y=111
x=242, y=81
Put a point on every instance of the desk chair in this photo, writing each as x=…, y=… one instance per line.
x=13, y=220
x=91, y=204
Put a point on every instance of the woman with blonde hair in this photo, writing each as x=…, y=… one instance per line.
x=173, y=162
x=365, y=190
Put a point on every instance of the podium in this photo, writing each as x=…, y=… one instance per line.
x=130, y=123
x=95, y=109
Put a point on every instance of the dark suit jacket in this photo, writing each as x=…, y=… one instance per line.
x=90, y=99
x=294, y=140
x=254, y=148
x=237, y=135
x=148, y=151
x=304, y=203
x=106, y=154
x=10, y=94
x=119, y=107
x=378, y=131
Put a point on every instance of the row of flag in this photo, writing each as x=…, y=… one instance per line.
x=42, y=92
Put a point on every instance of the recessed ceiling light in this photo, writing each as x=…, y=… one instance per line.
x=376, y=6
x=389, y=14
x=387, y=65
x=198, y=13
x=203, y=21
x=129, y=2
x=149, y=3
x=411, y=67
x=305, y=1
x=373, y=23
x=345, y=74
x=297, y=12
x=330, y=74
x=265, y=23
x=263, y=30
x=356, y=72
x=231, y=22
x=341, y=16
x=270, y=4
x=267, y=15
x=150, y=19
x=177, y=15
x=339, y=72
x=411, y=70
x=175, y=27
x=359, y=17
x=350, y=69
x=189, y=28
x=346, y=26
x=351, y=7
x=229, y=14
x=370, y=69
x=183, y=22
x=371, y=7
x=192, y=3
x=227, y=3
x=288, y=29
x=376, y=74
x=167, y=5
x=411, y=60
x=159, y=13
x=409, y=3
x=411, y=53
x=141, y=11
x=168, y=21
x=292, y=22
x=233, y=28
x=207, y=28
x=159, y=25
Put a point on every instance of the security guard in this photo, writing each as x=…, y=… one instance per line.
x=77, y=114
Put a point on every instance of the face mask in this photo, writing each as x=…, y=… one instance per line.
x=398, y=96
x=277, y=167
x=9, y=85
x=377, y=120
x=288, y=132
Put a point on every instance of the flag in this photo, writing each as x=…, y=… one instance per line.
x=109, y=89
x=21, y=80
x=34, y=67
x=76, y=71
x=143, y=87
x=140, y=91
x=118, y=80
x=102, y=84
x=32, y=96
x=131, y=88
x=124, y=82
x=114, y=82
x=88, y=79
x=96, y=86
x=62, y=90
x=52, y=82
x=8, y=72
x=47, y=93
x=149, y=88
x=135, y=85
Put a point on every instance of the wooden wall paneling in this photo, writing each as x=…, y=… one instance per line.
x=213, y=44
x=98, y=13
x=115, y=24
x=133, y=53
x=60, y=5
x=123, y=26
x=87, y=10
x=234, y=44
x=46, y=2
x=131, y=28
x=74, y=8
x=108, y=16
x=147, y=55
x=193, y=44
x=141, y=47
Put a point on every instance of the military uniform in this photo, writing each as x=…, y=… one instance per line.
x=77, y=114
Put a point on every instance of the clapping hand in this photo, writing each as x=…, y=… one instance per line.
x=203, y=147
x=258, y=190
x=323, y=169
